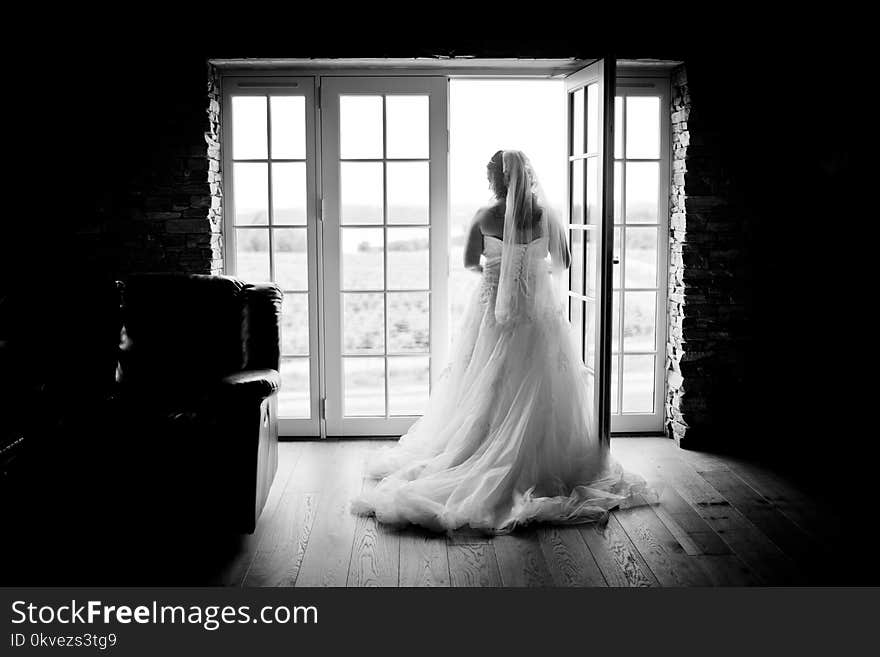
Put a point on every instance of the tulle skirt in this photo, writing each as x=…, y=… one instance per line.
x=506, y=438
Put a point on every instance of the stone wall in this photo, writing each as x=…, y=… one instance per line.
x=709, y=280
x=680, y=139
x=182, y=205
x=151, y=160
x=215, y=183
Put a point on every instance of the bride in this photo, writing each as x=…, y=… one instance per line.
x=506, y=438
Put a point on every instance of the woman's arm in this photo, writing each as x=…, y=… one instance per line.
x=473, y=249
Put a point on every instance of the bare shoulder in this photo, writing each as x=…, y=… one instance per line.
x=490, y=218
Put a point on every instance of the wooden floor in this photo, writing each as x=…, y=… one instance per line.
x=720, y=522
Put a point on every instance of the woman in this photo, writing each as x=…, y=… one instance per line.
x=506, y=438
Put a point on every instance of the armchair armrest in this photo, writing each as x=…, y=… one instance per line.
x=256, y=384
x=261, y=326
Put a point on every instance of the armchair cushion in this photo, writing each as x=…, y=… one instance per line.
x=180, y=328
x=255, y=384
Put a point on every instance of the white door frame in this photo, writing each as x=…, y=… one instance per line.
x=247, y=85
x=331, y=87
x=628, y=85
x=307, y=79
x=600, y=77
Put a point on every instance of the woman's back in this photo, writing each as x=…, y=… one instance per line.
x=492, y=223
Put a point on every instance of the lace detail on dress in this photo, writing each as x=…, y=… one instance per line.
x=561, y=361
x=489, y=286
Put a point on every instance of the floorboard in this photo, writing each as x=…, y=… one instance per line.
x=727, y=570
x=521, y=560
x=568, y=558
x=813, y=516
x=665, y=556
x=718, y=522
x=620, y=562
x=688, y=527
x=473, y=565
x=807, y=553
x=233, y=574
x=281, y=552
x=745, y=540
x=339, y=468
x=375, y=557
x=423, y=559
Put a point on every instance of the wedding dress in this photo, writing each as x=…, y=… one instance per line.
x=506, y=438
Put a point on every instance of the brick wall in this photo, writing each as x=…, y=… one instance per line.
x=150, y=157
x=709, y=280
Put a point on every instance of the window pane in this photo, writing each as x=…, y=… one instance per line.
x=408, y=192
x=638, y=384
x=362, y=258
x=576, y=308
x=250, y=186
x=615, y=322
x=361, y=193
x=288, y=127
x=364, y=383
x=408, y=259
x=641, y=257
x=592, y=262
x=577, y=192
x=360, y=127
x=642, y=180
x=291, y=258
x=639, y=321
x=590, y=380
x=363, y=323
x=593, y=191
x=615, y=366
x=577, y=261
x=617, y=262
x=407, y=121
x=248, y=127
x=643, y=126
x=408, y=322
x=295, y=325
x=252, y=254
x=590, y=334
x=294, y=398
x=289, y=193
x=593, y=118
x=618, y=127
x=618, y=192
x=577, y=122
x=407, y=385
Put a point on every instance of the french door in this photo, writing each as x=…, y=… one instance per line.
x=335, y=188
x=270, y=189
x=385, y=246
x=590, y=222
x=641, y=238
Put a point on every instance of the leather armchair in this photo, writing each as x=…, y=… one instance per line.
x=197, y=381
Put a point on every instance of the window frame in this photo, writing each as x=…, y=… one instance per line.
x=639, y=82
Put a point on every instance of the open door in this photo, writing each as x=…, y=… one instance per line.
x=590, y=111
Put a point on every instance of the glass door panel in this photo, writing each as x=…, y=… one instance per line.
x=590, y=95
x=270, y=190
x=385, y=244
x=640, y=251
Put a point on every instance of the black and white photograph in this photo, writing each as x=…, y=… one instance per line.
x=494, y=312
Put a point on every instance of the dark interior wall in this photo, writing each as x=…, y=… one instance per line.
x=136, y=125
x=140, y=176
